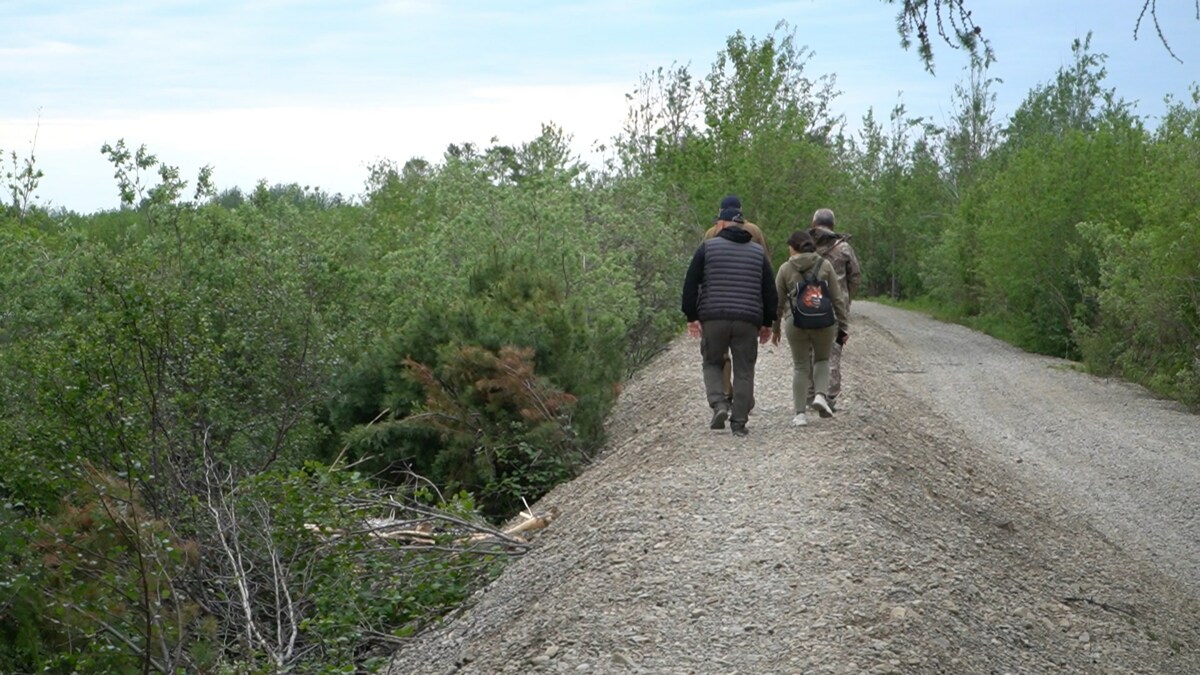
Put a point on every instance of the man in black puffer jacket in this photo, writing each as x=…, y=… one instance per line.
x=729, y=300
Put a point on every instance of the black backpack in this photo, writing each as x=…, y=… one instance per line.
x=811, y=304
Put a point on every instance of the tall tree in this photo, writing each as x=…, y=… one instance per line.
x=973, y=131
x=898, y=202
x=757, y=125
x=966, y=144
x=1071, y=154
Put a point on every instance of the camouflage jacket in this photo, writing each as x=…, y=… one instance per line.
x=835, y=247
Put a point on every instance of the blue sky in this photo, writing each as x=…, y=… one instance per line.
x=313, y=92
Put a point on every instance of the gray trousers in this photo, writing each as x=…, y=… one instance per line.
x=740, y=339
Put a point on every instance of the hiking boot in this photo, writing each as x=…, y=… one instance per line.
x=822, y=406
x=739, y=429
x=720, y=414
x=832, y=403
x=799, y=420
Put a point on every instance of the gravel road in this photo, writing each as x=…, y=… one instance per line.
x=970, y=509
x=1128, y=462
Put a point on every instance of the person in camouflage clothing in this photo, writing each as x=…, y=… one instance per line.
x=835, y=247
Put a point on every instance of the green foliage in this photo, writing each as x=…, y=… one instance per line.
x=1143, y=323
x=767, y=135
x=109, y=574
x=900, y=203
x=285, y=570
x=952, y=22
x=950, y=267
x=155, y=344
x=130, y=171
x=176, y=365
x=21, y=633
x=22, y=177
x=507, y=433
x=219, y=353
x=973, y=132
x=306, y=551
x=507, y=304
x=508, y=247
x=770, y=127
x=37, y=473
x=1076, y=101
x=1012, y=256
x=1141, y=319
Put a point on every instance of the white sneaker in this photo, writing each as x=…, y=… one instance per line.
x=799, y=420
x=822, y=406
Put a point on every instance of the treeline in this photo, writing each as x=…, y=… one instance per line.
x=220, y=408
x=1071, y=228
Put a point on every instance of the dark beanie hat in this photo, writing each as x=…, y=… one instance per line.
x=734, y=215
x=731, y=202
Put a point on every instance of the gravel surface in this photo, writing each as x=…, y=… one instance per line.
x=970, y=509
x=1131, y=463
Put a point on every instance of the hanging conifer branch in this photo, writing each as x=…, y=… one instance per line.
x=1151, y=6
x=953, y=22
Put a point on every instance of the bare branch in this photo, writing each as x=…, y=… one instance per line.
x=286, y=616
x=226, y=531
x=1151, y=6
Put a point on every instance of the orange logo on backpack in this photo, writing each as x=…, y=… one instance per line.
x=810, y=296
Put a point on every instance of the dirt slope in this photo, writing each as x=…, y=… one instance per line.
x=972, y=509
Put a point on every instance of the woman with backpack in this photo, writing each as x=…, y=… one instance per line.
x=813, y=314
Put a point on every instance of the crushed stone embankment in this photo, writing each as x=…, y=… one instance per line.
x=889, y=539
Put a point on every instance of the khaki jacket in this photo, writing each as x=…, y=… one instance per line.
x=793, y=272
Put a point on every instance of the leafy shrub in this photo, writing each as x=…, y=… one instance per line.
x=108, y=577
x=470, y=409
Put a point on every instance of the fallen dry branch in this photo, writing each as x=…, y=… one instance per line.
x=430, y=529
x=414, y=536
x=529, y=522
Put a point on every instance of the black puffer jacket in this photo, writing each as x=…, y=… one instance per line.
x=730, y=278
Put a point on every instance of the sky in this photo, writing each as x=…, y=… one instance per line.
x=314, y=92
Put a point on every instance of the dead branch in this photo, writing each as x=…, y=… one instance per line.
x=227, y=528
x=533, y=522
x=418, y=533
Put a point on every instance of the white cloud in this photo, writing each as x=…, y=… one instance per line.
x=311, y=92
x=41, y=50
x=325, y=147
x=408, y=7
x=35, y=61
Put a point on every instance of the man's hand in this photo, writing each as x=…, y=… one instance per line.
x=694, y=328
x=842, y=337
x=775, y=334
x=764, y=334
